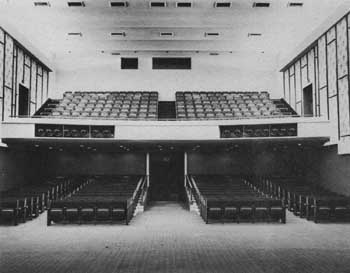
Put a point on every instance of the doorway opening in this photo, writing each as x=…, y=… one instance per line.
x=167, y=176
x=308, y=101
x=23, y=101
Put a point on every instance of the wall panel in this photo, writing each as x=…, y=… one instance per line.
x=332, y=69
x=33, y=86
x=344, y=115
x=333, y=118
x=342, y=48
x=292, y=91
x=331, y=35
x=7, y=102
x=286, y=85
x=1, y=76
x=8, y=61
x=323, y=102
x=322, y=61
x=298, y=81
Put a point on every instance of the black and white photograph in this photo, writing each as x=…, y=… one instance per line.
x=175, y=136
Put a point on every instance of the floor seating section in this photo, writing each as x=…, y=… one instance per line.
x=305, y=199
x=106, y=105
x=26, y=202
x=104, y=199
x=229, y=199
x=229, y=105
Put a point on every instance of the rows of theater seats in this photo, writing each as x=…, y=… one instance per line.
x=229, y=105
x=229, y=199
x=113, y=105
x=305, y=199
x=104, y=199
x=26, y=202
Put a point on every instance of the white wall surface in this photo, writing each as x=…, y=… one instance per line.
x=208, y=73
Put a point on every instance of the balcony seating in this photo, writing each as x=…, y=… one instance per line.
x=305, y=199
x=103, y=105
x=229, y=105
x=229, y=199
x=26, y=202
x=106, y=199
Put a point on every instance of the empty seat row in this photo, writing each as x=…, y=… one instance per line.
x=106, y=199
x=112, y=105
x=226, y=105
x=304, y=198
x=228, y=199
x=26, y=202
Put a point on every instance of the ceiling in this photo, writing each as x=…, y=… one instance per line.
x=281, y=27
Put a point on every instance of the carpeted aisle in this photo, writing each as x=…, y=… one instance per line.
x=168, y=238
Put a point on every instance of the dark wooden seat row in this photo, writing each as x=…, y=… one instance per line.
x=106, y=199
x=304, y=198
x=26, y=202
x=228, y=199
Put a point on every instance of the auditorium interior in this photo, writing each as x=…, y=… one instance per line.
x=175, y=136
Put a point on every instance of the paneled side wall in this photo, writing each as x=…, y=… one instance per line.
x=18, y=66
x=324, y=65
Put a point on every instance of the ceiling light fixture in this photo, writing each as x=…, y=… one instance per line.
x=76, y=4
x=42, y=4
x=184, y=4
x=295, y=4
x=261, y=4
x=222, y=4
x=119, y=4
x=157, y=4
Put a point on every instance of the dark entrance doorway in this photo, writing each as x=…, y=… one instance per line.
x=308, y=101
x=23, y=101
x=167, y=176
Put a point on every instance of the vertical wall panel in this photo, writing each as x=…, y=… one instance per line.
x=286, y=85
x=344, y=117
x=331, y=35
x=45, y=91
x=7, y=102
x=298, y=81
x=332, y=69
x=20, y=67
x=333, y=118
x=2, y=35
x=311, y=77
x=27, y=76
x=322, y=62
x=33, y=83
x=323, y=102
x=8, y=61
x=1, y=76
x=292, y=91
x=342, y=46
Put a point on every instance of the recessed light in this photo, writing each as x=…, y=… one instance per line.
x=118, y=34
x=166, y=34
x=157, y=4
x=42, y=4
x=37, y=145
x=76, y=4
x=184, y=4
x=119, y=4
x=81, y=146
x=50, y=148
x=261, y=4
x=75, y=34
x=222, y=4
x=211, y=34
x=254, y=34
x=295, y=4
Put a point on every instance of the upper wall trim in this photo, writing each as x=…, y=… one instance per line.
x=311, y=40
x=28, y=52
